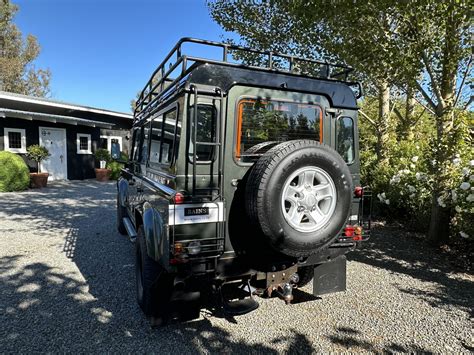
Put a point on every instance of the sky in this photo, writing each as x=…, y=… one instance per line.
x=102, y=52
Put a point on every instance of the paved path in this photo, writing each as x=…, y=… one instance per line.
x=67, y=285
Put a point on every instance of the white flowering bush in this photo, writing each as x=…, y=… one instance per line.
x=403, y=183
x=404, y=188
x=461, y=197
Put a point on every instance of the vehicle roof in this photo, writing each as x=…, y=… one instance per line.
x=225, y=77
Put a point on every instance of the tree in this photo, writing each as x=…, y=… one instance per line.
x=420, y=47
x=321, y=30
x=17, y=71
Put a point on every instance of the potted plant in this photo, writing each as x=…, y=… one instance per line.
x=38, y=153
x=103, y=156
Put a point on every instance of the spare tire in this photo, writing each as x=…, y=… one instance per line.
x=299, y=193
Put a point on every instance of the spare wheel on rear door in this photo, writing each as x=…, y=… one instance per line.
x=300, y=194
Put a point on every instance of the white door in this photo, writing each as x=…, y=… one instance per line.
x=55, y=140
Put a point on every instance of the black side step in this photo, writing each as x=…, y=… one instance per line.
x=237, y=301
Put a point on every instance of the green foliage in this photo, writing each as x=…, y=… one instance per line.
x=37, y=153
x=14, y=173
x=115, y=167
x=123, y=156
x=17, y=71
x=404, y=183
x=421, y=47
x=102, y=154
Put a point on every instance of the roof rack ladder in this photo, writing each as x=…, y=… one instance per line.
x=217, y=143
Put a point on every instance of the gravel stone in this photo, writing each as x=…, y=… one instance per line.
x=67, y=285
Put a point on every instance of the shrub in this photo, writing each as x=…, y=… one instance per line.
x=14, y=173
x=37, y=153
x=102, y=154
x=115, y=167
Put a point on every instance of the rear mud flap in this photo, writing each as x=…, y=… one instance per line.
x=330, y=277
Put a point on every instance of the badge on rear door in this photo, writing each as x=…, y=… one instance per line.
x=196, y=211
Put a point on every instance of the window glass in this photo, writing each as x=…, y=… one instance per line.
x=144, y=142
x=168, y=137
x=136, y=143
x=83, y=143
x=345, y=138
x=155, y=141
x=262, y=124
x=206, y=132
x=103, y=143
x=14, y=140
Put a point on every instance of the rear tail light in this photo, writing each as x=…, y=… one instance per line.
x=178, y=248
x=354, y=232
x=178, y=198
x=357, y=234
x=359, y=191
x=349, y=231
x=180, y=257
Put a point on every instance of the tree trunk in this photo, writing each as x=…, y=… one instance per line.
x=445, y=143
x=383, y=119
x=409, y=111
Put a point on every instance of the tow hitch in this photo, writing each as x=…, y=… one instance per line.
x=282, y=283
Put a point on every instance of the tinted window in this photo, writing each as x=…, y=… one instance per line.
x=162, y=140
x=145, y=139
x=167, y=144
x=345, y=138
x=205, y=133
x=263, y=124
x=136, y=143
x=155, y=141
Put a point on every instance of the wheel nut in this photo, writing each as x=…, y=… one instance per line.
x=300, y=208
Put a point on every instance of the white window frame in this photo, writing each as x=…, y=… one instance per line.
x=78, y=143
x=109, y=142
x=6, y=141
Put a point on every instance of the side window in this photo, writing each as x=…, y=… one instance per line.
x=145, y=131
x=162, y=142
x=205, y=133
x=155, y=142
x=167, y=143
x=136, y=144
x=345, y=138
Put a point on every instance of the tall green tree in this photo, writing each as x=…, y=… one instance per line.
x=419, y=46
x=17, y=55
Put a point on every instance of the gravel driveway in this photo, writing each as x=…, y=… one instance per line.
x=67, y=285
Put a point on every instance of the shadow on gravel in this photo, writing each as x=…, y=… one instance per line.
x=347, y=337
x=388, y=248
x=45, y=309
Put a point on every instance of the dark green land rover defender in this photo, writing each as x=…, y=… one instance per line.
x=242, y=180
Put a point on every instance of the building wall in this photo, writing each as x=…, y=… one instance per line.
x=79, y=166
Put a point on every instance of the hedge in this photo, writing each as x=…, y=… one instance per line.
x=14, y=173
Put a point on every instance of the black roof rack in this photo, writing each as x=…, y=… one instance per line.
x=161, y=84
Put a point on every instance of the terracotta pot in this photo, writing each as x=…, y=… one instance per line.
x=102, y=174
x=38, y=180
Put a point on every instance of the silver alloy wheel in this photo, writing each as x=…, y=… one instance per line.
x=308, y=199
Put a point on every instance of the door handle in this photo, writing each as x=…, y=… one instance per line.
x=61, y=157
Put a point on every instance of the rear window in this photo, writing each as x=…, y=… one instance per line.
x=263, y=124
x=345, y=138
x=205, y=133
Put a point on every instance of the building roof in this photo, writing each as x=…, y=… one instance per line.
x=29, y=115
x=60, y=104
